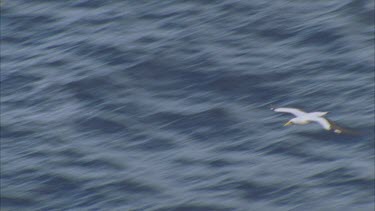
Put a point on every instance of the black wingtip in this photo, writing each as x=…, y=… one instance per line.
x=272, y=107
x=339, y=130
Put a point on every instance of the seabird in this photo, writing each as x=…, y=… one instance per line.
x=303, y=118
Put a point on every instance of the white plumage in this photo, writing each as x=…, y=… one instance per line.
x=303, y=118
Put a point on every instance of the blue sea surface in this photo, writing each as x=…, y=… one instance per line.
x=165, y=105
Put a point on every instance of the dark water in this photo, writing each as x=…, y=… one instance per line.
x=164, y=105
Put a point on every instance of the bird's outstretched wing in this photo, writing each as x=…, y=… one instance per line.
x=330, y=125
x=294, y=111
x=323, y=122
x=338, y=129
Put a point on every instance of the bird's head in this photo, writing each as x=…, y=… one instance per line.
x=290, y=122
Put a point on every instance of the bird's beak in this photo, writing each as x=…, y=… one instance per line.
x=288, y=123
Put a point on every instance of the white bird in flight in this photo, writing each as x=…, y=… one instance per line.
x=303, y=118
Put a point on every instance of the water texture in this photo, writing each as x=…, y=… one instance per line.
x=164, y=105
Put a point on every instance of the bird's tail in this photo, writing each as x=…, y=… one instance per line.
x=321, y=114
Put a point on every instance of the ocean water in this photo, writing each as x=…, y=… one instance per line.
x=164, y=105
